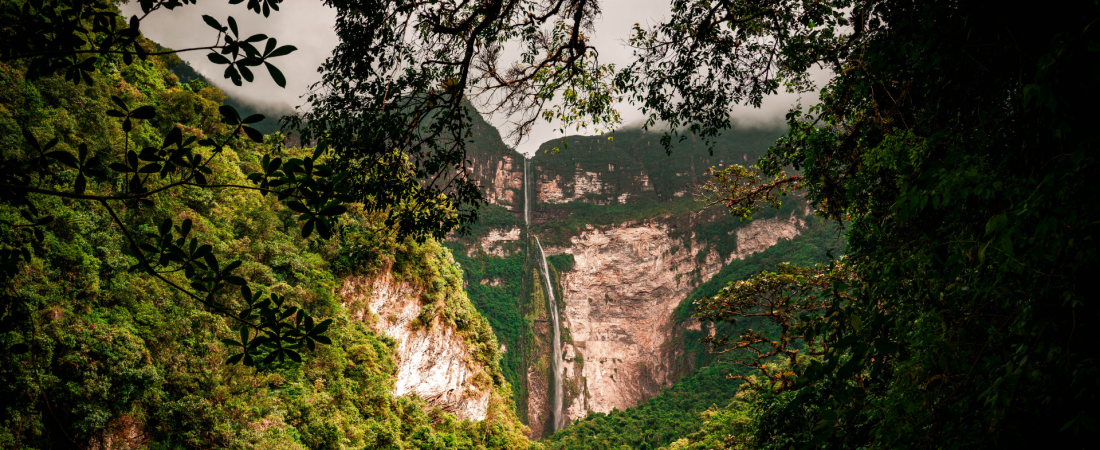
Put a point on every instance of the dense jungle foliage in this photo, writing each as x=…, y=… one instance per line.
x=118, y=358
x=955, y=140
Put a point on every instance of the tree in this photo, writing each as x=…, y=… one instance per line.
x=397, y=89
x=954, y=141
x=79, y=39
x=390, y=121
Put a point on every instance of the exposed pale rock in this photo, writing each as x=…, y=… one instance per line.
x=552, y=190
x=123, y=433
x=495, y=281
x=758, y=235
x=501, y=180
x=492, y=243
x=433, y=362
x=619, y=301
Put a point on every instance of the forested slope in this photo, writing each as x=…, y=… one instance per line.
x=119, y=359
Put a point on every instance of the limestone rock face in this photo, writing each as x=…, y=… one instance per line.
x=619, y=301
x=618, y=293
x=493, y=243
x=433, y=362
x=501, y=179
x=583, y=185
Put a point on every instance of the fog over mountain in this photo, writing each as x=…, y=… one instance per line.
x=308, y=25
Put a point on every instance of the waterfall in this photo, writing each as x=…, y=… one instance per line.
x=526, y=202
x=555, y=357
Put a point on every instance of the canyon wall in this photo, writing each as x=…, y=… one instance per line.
x=433, y=361
x=620, y=296
x=626, y=244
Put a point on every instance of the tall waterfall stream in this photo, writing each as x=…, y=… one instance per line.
x=555, y=356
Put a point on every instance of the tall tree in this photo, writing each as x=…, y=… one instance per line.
x=81, y=40
x=955, y=141
x=398, y=89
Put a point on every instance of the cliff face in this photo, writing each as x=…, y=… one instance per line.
x=626, y=245
x=496, y=168
x=501, y=179
x=619, y=301
x=433, y=362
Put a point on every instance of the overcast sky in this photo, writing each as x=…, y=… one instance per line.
x=308, y=25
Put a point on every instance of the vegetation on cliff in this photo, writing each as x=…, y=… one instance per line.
x=707, y=396
x=952, y=141
x=96, y=352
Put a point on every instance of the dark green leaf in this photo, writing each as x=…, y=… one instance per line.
x=254, y=134
x=276, y=74
x=307, y=228
x=150, y=168
x=282, y=51
x=121, y=104
x=31, y=139
x=229, y=114
x=213, y=23
x=80, y=184
x=174, y=136
x=185, y=228
x=323, y=326
x=245, y=71
x=65, y=158
x=333, y=210
x=217, y=59
x=297, y=206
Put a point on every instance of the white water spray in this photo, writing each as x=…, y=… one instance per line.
x=555, y=357
x=526, y=202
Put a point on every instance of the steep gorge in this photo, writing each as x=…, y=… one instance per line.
x=626, y=244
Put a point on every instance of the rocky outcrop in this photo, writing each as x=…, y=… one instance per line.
x=433, y=362
x=619, y=302
x=124, y=433
x=496, y=242
x=618, y=292
x=758, y=235
x=588, y=187
x=500, y=178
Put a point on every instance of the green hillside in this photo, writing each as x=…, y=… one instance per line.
x=116, y=355
x=620, y=156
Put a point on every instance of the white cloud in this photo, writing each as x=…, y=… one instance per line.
x=308, y=25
